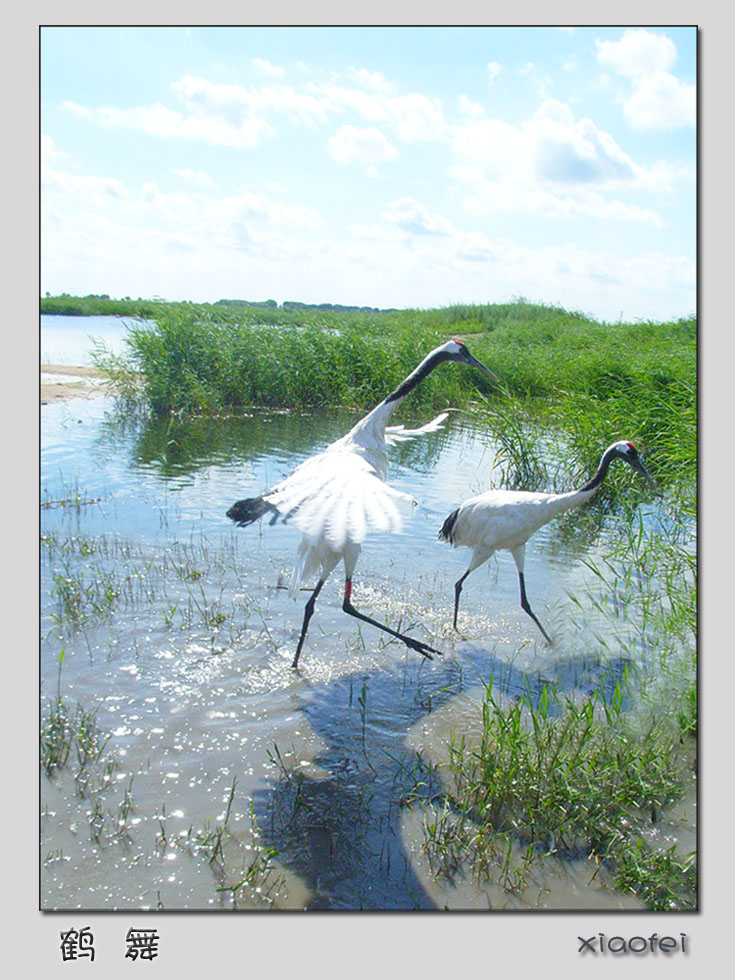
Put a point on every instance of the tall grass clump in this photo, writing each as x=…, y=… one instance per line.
x=592, y=382
x=577, y=780
x=194, y=361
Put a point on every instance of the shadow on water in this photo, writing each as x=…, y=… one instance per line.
x=339, y=827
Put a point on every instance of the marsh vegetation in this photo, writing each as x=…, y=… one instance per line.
x=175, y=730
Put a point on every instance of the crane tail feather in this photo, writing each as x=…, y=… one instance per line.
x=447, y=530
x=245, y=512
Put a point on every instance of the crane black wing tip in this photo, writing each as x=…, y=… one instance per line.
x=245, y=512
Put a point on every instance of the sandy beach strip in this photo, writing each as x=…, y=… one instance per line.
x=61, y=382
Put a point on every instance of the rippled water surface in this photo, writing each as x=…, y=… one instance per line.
x=174, y=629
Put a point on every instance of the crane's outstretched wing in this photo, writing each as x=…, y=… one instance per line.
x=399, y=433
x=338, y=497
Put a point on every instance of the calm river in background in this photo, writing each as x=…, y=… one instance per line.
x=71, y=339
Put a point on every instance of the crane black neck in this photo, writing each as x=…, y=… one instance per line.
x=607, y=458
x=415, y=378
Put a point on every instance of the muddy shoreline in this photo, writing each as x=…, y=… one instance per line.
x=63, y=382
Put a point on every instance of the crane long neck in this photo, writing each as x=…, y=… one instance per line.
x=596, y=480
x=416, y=376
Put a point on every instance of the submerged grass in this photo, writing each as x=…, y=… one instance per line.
x=572, y=779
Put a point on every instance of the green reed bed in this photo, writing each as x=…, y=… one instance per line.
x=200, y=362
x=567, y=779
x=600, y=380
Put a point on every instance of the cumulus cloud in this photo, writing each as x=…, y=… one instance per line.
x=570, y=152
x=224, y=126
x=638, y=53
x=49, y=149
x=412, y=117
x=366, y=146
x=266, y=68
x=89, y=190
x=494, y=68
x=469, y=109
x=215, y=113
x=656, y=99
x=195, y=177
x=415, y=118
x=661, y=101
x=374, y=81
x=552, y=165
x=228, y=114
x=416, y=218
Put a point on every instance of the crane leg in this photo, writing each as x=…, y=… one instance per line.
x=423, y=648
x=526, y=608
x=457, y=590
x=308, y=611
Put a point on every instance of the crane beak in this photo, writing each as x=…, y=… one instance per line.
x=640, y=468
x=473, y=362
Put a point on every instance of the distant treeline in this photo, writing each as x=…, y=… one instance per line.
x=289, y=304
x=100, y=304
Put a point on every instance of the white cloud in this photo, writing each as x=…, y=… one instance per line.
x=415, y=118
x=181, y=220
x=237, y=110
x=661, y=101
x=374, y=81
x=638, y=53
x=266, y=68
x=410, y=255
x=220, y=114
x=416, y=218
x=149, y=193
x=195, y=177
x=49, y=150
x=262, y=209
x=236, y=128
x=551, y=165
x=569, y=152
x=412, y=117
x=469, y=109
x=475, y=267
x=88, y=191
x=365, y=146
x=233, y=115
x=541, y=80
x=256, y=224
x=657, y=99
x=494, y=68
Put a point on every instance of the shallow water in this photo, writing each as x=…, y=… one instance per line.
x=72, y=339
x=179, y=634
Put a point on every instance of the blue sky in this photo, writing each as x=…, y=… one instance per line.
x=387, y=167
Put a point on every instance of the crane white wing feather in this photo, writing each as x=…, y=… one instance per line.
x=399, y=433
x=339, y=496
